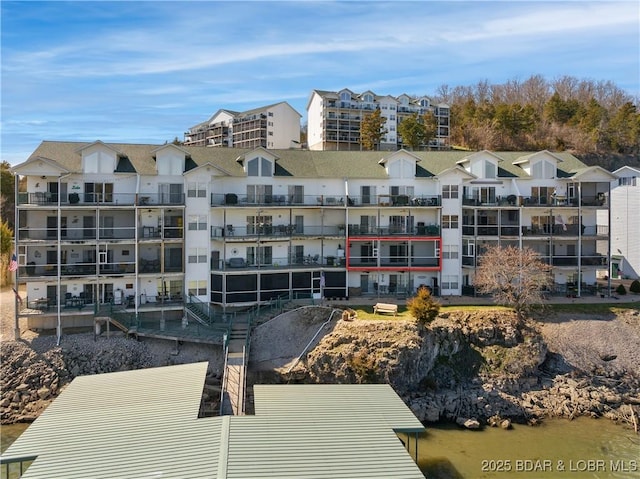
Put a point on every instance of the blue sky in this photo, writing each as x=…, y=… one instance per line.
x=143, y=72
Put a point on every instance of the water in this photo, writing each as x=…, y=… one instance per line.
x=10, y=433
x=583, y=448
x=449, y=452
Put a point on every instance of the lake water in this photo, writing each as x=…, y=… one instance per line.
x=583, y=448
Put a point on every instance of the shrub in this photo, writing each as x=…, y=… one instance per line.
x=423, y=307
x=635, y=286
x=621, y=290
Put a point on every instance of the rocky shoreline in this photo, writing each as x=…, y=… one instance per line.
x=473, y=368
x=33, y=373
x=482, y=368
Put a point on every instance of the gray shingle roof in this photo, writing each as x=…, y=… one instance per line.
x=300, y=163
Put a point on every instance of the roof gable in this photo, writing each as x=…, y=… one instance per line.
x=39, y=166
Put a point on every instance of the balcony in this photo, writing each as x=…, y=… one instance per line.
x=277, y=263
x=420, y=230
x=73, y=234
x=390, y=262
x=163, y=199
x=282, y=231
x=76, y=199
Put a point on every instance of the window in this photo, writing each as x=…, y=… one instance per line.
x=542, y=194
x=270, y=113
x=170, y=193
x=197, y=255
x=543, y=169
x=296, y=194
x=270, y=133
x=368, y=195
x=402, y=190
x=449, y=191
x=259, y=167
x=98, y=192
x=450, y=251
x=392, y=117
x=196, y=190
x=197, y=223
x=490, y=170
x=629, y=181
x=450, y=281
x=259, y=194
x=481, y=195
x=368, y=98
x=259, y=225
x=198, y=288
x=450, y=221
x=345, y=96
x=259, y=255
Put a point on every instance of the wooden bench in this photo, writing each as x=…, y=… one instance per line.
x=385, y=308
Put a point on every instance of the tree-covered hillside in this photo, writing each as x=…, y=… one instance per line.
x=595, y=120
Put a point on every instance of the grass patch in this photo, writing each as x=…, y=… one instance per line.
x=366, y=311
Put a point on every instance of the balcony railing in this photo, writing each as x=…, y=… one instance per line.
x=76, y=233
x=280, y=200
x=151, y=199
x=304, y=261
x=421, y=230
x=394, y=261
x=231, y=232
x=104, y=199
x=565, y=230
x=76, y=199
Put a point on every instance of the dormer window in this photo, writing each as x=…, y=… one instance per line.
x=345, y=96
x=543, y=170
x=490, y=170
x=424, y=103
x=368, y=98
x=259, y=167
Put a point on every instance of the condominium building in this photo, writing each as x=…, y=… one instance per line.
x=334, y=119
x=625, y=223
x=148, y=227
x=274, y=126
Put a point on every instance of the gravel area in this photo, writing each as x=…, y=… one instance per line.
x=596, y=343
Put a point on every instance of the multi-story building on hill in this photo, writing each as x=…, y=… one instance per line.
x=274, y=126
x=334, y=119
x=625, y=223
x=156, y=229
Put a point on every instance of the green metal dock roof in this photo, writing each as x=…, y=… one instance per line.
x=353, y=404
x=144, y=423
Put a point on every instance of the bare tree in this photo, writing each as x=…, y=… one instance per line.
x=514, y=277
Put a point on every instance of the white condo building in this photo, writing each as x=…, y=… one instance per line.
x=625, y=223
x=158, y=230
x=334, y=119
x=274, y=126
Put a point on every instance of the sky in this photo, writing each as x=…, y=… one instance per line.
x=146, y=71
